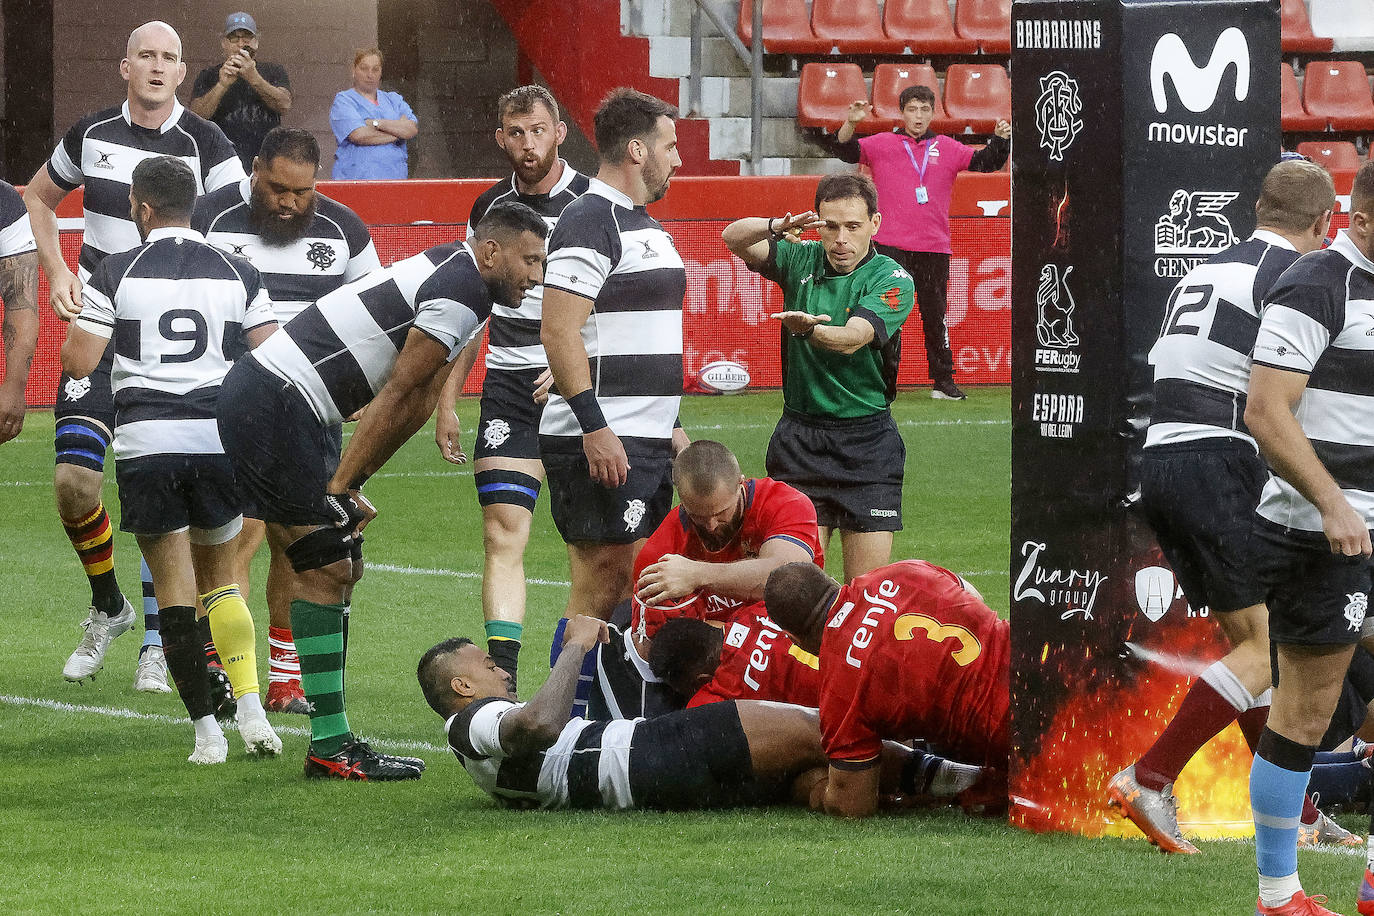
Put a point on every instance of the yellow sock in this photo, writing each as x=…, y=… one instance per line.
x=232, y=628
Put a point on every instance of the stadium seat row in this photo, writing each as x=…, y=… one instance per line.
x=925, y=27
x=857, y=27
x=1335, y=94
x=1335, y=155
x=975, y=96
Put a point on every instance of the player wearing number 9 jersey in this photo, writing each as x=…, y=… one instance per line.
x=1201, y=477
x=906, y=651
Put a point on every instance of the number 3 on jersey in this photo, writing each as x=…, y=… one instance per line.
x=969, y=649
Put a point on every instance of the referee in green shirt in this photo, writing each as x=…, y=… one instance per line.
x=845, y=305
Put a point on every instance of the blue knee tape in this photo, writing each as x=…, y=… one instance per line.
x=507, y=487
x=81, y=444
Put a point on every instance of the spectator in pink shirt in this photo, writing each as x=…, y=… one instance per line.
x=914, y=170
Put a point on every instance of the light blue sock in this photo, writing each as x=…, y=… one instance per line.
x=1276, y=803
x=152, y=620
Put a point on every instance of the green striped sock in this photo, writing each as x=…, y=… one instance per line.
x=318, y=632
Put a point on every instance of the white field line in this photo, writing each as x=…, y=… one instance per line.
x=454, y=573
x=113, y=712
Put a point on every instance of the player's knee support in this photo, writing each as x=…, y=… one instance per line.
x=81, y=443
x=507, y=487
x=320, y=548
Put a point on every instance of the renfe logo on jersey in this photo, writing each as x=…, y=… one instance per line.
x=878, y=605
x=1197, y=88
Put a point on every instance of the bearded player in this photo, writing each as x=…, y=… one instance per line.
x=305, y=246
x=507, y=469
x=906, y=651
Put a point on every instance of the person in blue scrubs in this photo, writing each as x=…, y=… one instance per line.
x=370, y=125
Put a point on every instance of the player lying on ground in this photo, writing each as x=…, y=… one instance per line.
x=530, y=754
x=906, y=651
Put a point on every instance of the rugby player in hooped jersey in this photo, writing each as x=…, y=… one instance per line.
x=906, y=651
x=387, y=340
x=506, y=467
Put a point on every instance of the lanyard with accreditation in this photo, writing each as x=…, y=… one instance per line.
x=922, y=195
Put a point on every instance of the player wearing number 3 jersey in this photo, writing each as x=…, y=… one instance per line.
x=906, y=651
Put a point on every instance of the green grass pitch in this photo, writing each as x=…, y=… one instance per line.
x=101, y=813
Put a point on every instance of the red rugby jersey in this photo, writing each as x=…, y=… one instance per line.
x=760, y=662
x=907, y=652
x=772, y=509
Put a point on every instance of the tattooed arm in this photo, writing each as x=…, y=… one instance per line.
x=19, y=290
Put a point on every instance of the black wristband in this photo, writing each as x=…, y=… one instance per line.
x=809, y=331
x=775, y=236
x=587, y=411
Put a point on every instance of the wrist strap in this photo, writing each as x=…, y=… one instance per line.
x=588, y=411
x=775, y=236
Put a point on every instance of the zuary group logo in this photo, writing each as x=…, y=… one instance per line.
x=1197, y=88
x=1056, y=113
x=1194, y=229
x=1054, y=307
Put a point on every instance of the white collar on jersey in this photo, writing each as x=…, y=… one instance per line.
x=614, y=195
x=246, y=189
x=1351, y=253
x=565, y=179
x=1272, y=238
x=174, y=232
x=167, y=125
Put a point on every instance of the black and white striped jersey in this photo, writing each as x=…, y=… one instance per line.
x=335, y=249
x=1319, y=320
x=177, y=309
x=1202, y=358
x=100, y=152
x=587, y=767
x=16, y=236
x=609, y=251
x=340, y=351
x=513, y=335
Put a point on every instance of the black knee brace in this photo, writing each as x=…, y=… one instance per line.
x=320, y=548
x=510, y=487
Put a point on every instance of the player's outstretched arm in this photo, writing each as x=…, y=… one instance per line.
x=19, y=294
x=1269, y=414
x=537, y=725
x=447, y=430
x=748, y=238
x=852, y=793
x=394, y=415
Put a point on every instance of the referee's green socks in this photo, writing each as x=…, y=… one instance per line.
x=503, y=644
x=319, y=633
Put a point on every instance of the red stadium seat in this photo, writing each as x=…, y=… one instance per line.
x=977, y=95
x=825, y=93
x=1334, y=155
x=987, y=21
x=1296, y=29
x=1295, y=117
x=1338, y=91
x=853, y=26
x=888, y=82
x=786, y=28
x=925, y=27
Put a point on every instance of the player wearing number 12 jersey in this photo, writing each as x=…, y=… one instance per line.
x=1201, y=477
x=906, y=651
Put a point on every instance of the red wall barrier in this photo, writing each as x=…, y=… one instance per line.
x=727, y=307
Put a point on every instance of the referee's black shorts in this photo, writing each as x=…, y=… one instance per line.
x=695, y=758
x=283, y=456
x=851, y=469
x=1200, y=498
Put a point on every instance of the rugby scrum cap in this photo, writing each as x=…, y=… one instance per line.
x=240, y=22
